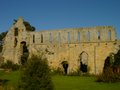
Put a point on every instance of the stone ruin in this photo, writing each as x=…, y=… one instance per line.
x=78, y=47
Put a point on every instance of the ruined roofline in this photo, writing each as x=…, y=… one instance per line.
x=80, y=28
x=20, y=19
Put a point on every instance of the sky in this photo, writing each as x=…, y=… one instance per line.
x=59, y=14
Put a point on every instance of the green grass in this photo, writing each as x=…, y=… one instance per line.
x=66, y=82
x=12, y=77
x=81, y=83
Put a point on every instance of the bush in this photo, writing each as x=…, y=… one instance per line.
x=24, y=58
x=10, y=65
x=36, y=75
x=56, y=71
x=15, y=67
x=78, y=73
x=3, y=82
x=108, y=76
x=111, y=70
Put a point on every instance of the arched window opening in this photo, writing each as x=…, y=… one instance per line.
x=84, y=62
x=68, y=37
x=78, y=37
x=15, y=42
x=33, y=38
x=16, y=32
x=109, y=35
x=59, y=38
x=41, y=38
x=98, y=34
x=109, y=63
x=50, y=39
x=88, y=36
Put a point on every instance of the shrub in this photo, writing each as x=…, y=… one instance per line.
x=3, y=82
x=10, y=65
x=36, y=75
x=78, y=73
x=108, y=76
x=1, y=60
x=111, y=71
x=15, y=67
x=56, y=71
x=24, y=58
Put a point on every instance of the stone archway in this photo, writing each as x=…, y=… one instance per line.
x=109, y=62
x=24, y=53
x=84, y=62
x=65, y=66
x=24, y=47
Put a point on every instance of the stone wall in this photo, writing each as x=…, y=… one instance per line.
x=97, y=53
x=75, y=35
x=63, y=45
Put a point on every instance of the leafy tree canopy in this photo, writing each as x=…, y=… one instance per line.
x=28, y=26
x=2, y=35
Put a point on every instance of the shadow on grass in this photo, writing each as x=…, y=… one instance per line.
x=3, y=82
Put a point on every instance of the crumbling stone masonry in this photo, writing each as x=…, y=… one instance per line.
x=79, y=47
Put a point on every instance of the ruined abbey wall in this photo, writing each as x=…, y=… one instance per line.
x=68, y=44
x=90, y=45
x=75, y=35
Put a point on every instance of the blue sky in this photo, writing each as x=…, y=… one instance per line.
x=59, y=14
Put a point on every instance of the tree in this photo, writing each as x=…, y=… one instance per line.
x=36, y=75
x=2, y=35
x=28, y=26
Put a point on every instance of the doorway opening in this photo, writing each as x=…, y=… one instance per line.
x=24, y=47
x=25, y=53
x=84, y=62
x=65, y=66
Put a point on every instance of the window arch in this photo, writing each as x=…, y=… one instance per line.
x=16, y=31
x=78, y=37
x=33, y=38
x=98, y=34
x=50, y=39
x=68, y=37
x=59, y=38
x=88, y=36
x=15, y=42
x=84, y=62
x=41, y=38
x=109, y=35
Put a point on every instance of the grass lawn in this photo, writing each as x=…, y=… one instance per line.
x=81, y=83
x=12, y=78
x=66, y=82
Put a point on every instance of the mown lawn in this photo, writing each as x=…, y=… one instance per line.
x=65, y=82
x=12, y=77
x=81, y=83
